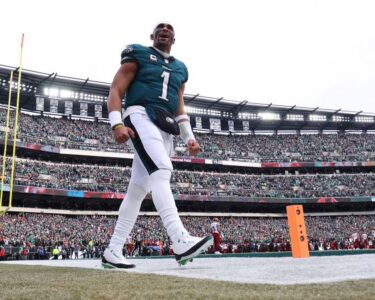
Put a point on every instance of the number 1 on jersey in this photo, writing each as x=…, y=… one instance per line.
x=165, y=76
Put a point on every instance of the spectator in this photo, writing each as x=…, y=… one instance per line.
x=241, y=234
x=2, y=253
x=55, y=253
x=90, y=135
x=110, y=179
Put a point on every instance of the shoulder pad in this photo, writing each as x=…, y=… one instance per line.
x=131, y=52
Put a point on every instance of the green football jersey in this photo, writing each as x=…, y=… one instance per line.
x=157, y=80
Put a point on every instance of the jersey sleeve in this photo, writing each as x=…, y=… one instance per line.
x=186, y=74
x=130, y=53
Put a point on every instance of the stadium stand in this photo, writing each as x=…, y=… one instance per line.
x=98, y=178
x=256, y=158
x=90, y=135
x=40, y=233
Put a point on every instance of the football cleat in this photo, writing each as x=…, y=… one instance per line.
x=115, y=260
x=187, y=247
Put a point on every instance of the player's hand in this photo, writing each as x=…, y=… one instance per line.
x=193, y=147
x=122, y=134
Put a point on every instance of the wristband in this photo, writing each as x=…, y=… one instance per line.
x=115, y=118
x=185, y=129
x=118, y=126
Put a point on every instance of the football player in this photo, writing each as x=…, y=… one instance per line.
x=154, y=83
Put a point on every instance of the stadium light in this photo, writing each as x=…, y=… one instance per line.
x=317, y=118
x=294, y=117
x=269, y=116
x=248, y=116
x=51, y=92
x=363, y=119
x=66, y=94
x=340, y=119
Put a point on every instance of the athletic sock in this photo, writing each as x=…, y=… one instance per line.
x=165, y=203
x=128, y=213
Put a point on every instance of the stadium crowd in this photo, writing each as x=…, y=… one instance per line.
x=115, y=179
x=89, y=135
x=35, y=236
x=43, y=235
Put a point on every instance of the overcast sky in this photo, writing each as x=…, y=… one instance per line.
x=308, y=53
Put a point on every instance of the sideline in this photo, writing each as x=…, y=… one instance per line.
x=259, y=270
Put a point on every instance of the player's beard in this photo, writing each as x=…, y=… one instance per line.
x=164, y=44
x=165, y=47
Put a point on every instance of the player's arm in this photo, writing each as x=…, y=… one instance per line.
x=119, y=86
x=184, y=123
